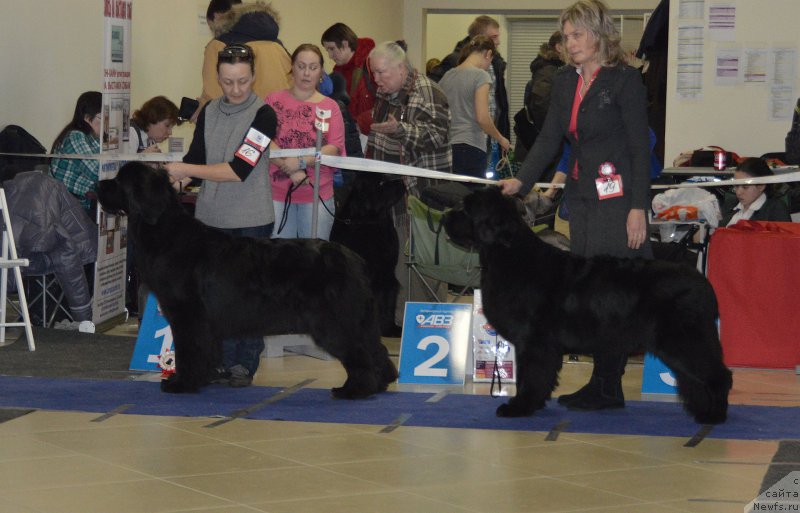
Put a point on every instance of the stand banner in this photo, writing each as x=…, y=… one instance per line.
x=108, y=299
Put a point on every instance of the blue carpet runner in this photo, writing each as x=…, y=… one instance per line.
x=451, y=411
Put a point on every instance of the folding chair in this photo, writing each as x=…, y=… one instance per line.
x=9, y=260
x=45, y=288
x=431, y=255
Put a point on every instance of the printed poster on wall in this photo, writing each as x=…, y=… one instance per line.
x=109, y=279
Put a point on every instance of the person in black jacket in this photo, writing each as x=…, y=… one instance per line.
x=599, y=104
x=489, y=27
x=753, y=201
x=537, y=94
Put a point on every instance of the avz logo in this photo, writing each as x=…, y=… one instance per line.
x=434, y=321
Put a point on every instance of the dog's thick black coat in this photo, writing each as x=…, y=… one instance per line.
x=364, y=224
x=548, y=302
x=212, y=286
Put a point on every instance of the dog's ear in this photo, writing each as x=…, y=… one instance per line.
x=147, y=191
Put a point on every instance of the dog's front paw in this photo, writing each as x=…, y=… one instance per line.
x=346, y=392
x=173, y=385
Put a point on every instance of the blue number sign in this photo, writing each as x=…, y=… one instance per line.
x=433, y=349
x=155, y=338
x=657, y=378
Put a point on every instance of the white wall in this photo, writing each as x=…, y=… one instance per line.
x=51, y=50
x=734, y=117
x=443, y=31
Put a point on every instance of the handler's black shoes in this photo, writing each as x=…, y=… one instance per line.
x=567, y=399
x=598, y=394
x=219, y=376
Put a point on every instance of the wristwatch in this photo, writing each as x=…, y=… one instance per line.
x=301, y=163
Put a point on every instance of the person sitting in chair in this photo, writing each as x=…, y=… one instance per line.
x=757, y=202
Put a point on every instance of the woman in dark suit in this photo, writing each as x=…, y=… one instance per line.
x=752, y=201
x=598, y=104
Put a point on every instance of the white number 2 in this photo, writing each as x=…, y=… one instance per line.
x=426, y=368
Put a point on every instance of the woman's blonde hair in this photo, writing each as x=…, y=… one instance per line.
x=593, y=16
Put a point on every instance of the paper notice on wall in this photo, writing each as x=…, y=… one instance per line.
x=691, y=9
x=781, y=102
x=722, y=22
x=727, y=69
x=783, y=66
x=689, y=81
x=755, y=65
x=783, y=79
x=690, y=42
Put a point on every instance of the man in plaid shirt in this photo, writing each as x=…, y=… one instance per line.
x=412, y=118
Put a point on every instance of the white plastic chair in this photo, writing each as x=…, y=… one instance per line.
x=9, y=260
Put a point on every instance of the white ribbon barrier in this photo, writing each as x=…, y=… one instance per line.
x=375, y=166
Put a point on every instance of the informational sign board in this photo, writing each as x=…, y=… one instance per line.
x=435, y=342
x=493, y=356
x=108, y=300
x=154, y=340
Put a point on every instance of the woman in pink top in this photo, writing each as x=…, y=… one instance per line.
x=292, y=177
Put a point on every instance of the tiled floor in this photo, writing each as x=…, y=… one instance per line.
x=60, y=462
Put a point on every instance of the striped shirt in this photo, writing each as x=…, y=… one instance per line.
x=80, y=176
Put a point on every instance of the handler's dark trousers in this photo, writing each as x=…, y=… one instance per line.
x=245, y=351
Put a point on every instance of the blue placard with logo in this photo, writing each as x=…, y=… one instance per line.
x=657, y=378
x=155, y=338
x=433, y=349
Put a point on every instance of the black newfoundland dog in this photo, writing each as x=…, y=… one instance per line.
x=548, y=302
x=212, y=286
x=365, y=225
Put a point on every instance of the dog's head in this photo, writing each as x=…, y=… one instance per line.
x=487, y=218
x=371, y=196
x=139, y=191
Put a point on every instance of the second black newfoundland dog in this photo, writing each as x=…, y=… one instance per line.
x=212, y=286
x=365, y=225
x=548, y=302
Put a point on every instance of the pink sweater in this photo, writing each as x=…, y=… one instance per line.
x=296, y=130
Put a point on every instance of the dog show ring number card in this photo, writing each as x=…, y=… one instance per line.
x=433, y=349
x=154, y=342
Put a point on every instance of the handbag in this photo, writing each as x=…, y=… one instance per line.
x=704, y=157
x=524, y=127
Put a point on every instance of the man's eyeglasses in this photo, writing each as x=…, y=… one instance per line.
x=236, y=52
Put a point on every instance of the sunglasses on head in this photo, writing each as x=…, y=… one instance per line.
x=236, y=51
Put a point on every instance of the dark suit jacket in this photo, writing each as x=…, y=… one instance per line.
x=612, y=127
x=775, y=209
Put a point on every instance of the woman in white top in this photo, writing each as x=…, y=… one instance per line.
x=151, y=125
x=753, y=201
x=467, y=90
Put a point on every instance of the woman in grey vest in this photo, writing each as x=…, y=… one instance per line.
x=231, y=137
